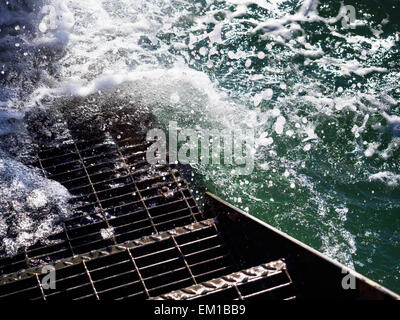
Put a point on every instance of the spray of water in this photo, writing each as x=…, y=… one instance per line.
x=322, y=98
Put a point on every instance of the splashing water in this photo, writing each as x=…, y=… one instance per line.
x=323, y=99
x=30, y=206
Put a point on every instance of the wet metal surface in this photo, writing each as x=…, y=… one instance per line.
x=137, y=233
x=113, y=188
x=267, y=281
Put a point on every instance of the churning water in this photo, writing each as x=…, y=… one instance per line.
x=321, y=90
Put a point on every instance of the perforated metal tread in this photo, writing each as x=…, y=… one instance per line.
x=135, y=232
x=117, y=197
x=142, y=268
x=264, y=282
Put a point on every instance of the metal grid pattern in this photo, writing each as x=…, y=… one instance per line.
x=117, y=197
x=139, y=269
x=135, y=232
x=265, y=282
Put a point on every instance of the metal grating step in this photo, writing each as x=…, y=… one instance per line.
x=139, y=269
x=117, y=197
x=136, y=232
x=269, y=281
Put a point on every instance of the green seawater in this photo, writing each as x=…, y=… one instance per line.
x=320, y=91
x=324, y=196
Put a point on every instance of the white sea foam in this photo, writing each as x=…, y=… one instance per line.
x=173, y=59
x=56, y=24
x=387, y=177
x=30, y=206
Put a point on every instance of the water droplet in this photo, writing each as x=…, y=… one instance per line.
x=268, y=94
x=290, y=133
x=203, y=51
x=42, y=27
x=286, y=174
x=248, y=63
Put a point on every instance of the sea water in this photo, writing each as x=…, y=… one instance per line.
x=316, y=82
